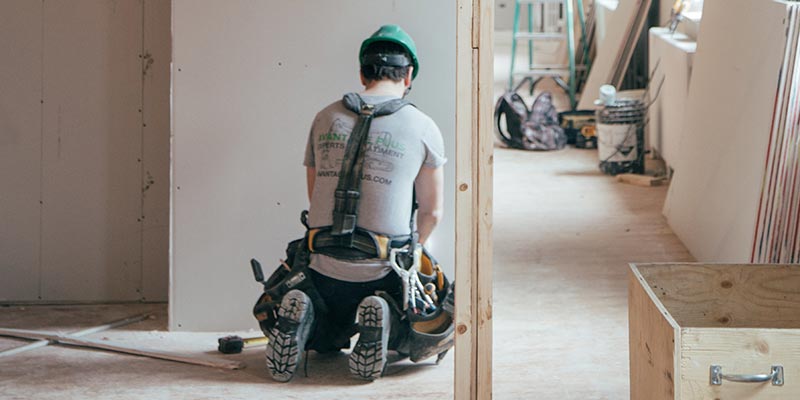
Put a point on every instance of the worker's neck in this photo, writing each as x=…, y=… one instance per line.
x=386, y=87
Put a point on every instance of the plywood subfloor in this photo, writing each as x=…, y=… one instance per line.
x=564, y=234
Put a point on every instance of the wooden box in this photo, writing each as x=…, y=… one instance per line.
x=684, y=319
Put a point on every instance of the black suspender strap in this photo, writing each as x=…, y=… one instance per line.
x=348, y=189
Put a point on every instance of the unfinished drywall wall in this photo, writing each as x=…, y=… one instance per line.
x=156, y=141
x=91, y=143
x=75, y=152
x=248, y=78
x=20, y=149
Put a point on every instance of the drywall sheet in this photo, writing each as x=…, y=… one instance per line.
x=248, y=78
x=613, y=19
x=156, y=60
x=777, y=238
x=20, y=148
x=76, y=154
x=671, y=57
x=713, y=199
x=91, y=145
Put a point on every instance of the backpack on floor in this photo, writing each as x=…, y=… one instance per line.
x=536, y=128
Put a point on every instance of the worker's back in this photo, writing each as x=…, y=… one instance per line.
x=398, y=145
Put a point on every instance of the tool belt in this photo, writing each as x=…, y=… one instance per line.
x=428, y=305
x=292, y=274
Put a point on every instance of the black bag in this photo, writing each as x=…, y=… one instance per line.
x=534, y=129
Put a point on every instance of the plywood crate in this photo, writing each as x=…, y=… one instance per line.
x=686, y=318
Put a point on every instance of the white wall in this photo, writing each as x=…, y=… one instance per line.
x=670, y=60
x=504, y=15
x=713, y=200
x=248, y=78
x=82, y=133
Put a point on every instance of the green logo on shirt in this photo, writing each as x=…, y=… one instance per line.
x=333, y=137
x=380, y=147
x=384, y=140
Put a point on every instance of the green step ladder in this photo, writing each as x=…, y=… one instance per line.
x=536, y=73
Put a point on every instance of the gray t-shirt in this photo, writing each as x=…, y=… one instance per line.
x=398, y=146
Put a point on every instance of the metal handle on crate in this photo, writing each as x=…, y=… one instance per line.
x=776, y=376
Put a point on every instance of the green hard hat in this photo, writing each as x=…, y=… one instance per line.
x=394, y=34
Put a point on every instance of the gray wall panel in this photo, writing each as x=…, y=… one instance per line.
x=84, y=150
x=20, y=148
x=92, y=144
x=248, y=78
x=156, y=149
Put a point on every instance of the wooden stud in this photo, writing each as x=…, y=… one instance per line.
x=485, y=148
x=464, y=363
x=474, y=146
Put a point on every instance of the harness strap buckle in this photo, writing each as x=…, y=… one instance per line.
x=344, y=212
x=367, y=109
x=343, y=224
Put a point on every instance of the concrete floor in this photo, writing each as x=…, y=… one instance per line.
x=564, y=234
x=58, y=372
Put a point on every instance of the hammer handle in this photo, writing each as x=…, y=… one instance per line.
x=255, y=341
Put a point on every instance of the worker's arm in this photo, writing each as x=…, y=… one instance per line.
x=430, y=197
x=311, y=176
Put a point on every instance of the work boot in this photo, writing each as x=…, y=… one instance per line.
x=368, y=359
x=287, y=339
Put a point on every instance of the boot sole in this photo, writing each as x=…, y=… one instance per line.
x=368, y=359
x=288, y=337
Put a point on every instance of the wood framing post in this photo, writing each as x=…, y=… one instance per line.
x=474, y=143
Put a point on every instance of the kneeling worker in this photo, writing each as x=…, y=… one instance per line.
x=362, y=184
